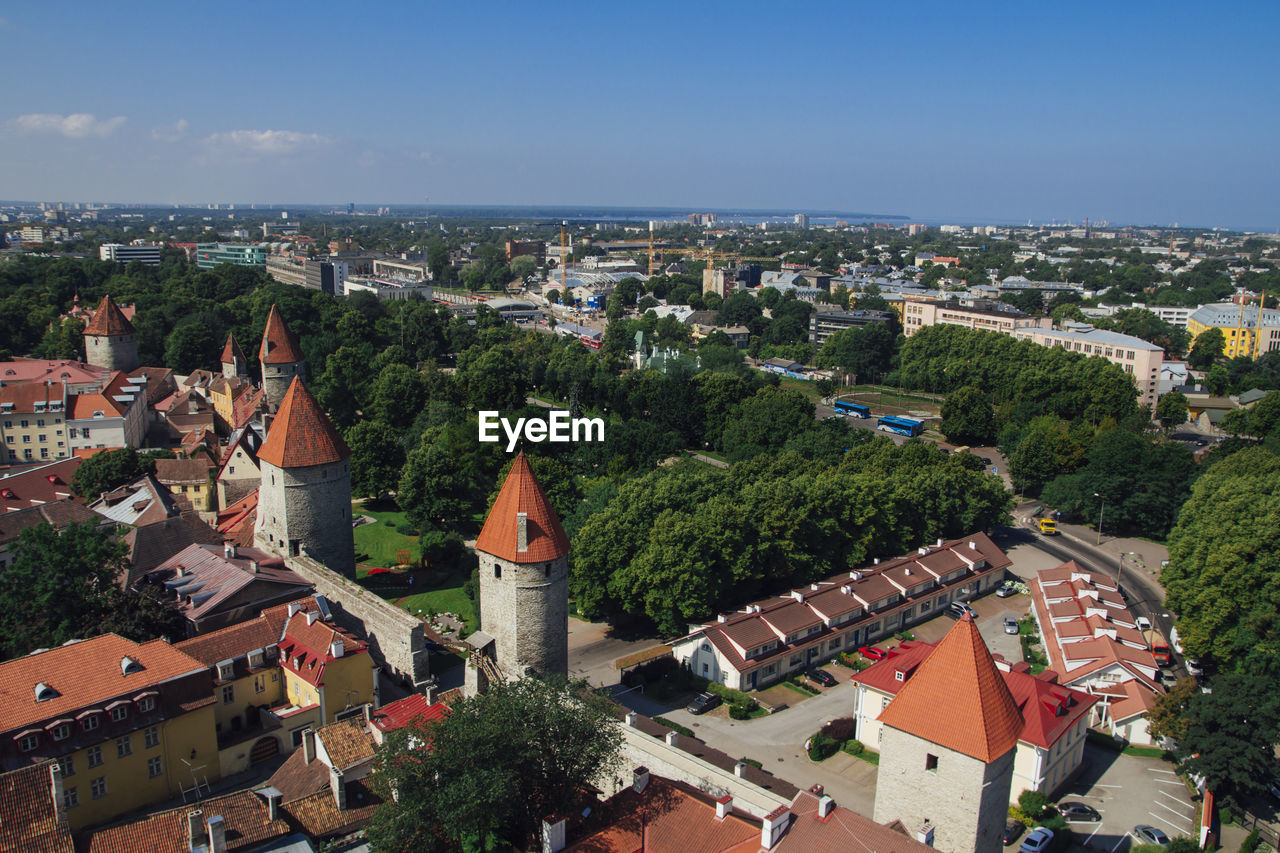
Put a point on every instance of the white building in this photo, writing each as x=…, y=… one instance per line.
x=149, y=255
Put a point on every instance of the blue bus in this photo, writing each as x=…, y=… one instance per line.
x=902, y=426
x=853, y=410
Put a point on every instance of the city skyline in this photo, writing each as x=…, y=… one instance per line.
x=1128, y=115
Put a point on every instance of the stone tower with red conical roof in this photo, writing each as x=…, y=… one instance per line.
x=524, y=584
x=281, y=359
x=109, y=339
x=947, y=747
x=233, y=360
x=304, y=495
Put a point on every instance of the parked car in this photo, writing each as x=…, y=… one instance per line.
x=957, y=610
x=1010, y=625
x=1037, y=841
x=1007, y=589
x=823, y=677
x=1143, y=623
x=1194, y=669
x=704, y=703
x=1013, y=831
x=1150, y=835
x=1078, y=811
x=873, y=653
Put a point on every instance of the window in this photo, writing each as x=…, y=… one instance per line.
x=154, y=767
x=146, y=703
x=123, y=747
x=497, y=570
x=706, y=647
x=705, y=669
x=24, y=423
x=85, y=432
x=70, y=798
x=39, y=422
x=930, y=762
x=72, y=432
x=42, y=437
x=225, y=670
x=90, y=722
x=61, y=732
x=118, y=713
x=26, y=439
x=259, y=684
x=29, y=742
x=99, y=787
x=44, y=453
x=296, y=736
x=94, y=755
x=67, y=766
x=151, y=736
x=228, y=694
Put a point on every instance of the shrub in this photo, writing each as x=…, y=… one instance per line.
x=1226, y=815
x=854, y=747
x=1251, y=842
x=841, y=729
x=740, y=709
x=756, y=764
x=676, y=727
x=406, y=530
x=1033, y=804
x=822, y=747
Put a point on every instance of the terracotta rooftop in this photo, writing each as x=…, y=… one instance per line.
x=410, y=709
x=842, y=831
x=958, y=699
x=84, y=674
x=108, y=320
x=279, y=346
x=244, y=814
x=152, y=544
x=28, y=819
x=26, y=398
x=545, y=538
x=55, y=369
x=208, y=582
x=58, y=513
x=302, y=435
x=235, y=523
x=346, y=742
x=232, y=352
x=306, y=649
x=238, y=640
x=668, y=817
x=183, y=471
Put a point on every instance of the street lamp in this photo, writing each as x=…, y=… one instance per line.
x=1102, y=504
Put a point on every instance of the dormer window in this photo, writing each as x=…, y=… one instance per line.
x=257, y=658
x=146, y=704
x=226, y=670
x=129, y=665
x=118, y=713
x=90, y=722
x=44, y=692
x=899, y=675
x=62, y=731
x=27, y=743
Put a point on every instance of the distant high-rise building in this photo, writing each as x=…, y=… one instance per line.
x=149, y=255
x=802, y=219
x=209, y=255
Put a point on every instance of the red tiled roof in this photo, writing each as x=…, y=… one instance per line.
x=233, y=520
x=958, y=699
x=108, y=320
x=346, y=742
x=28, y=818
x=43, y=484
x=545, y=538
x=25, y=396
x=238, y=640
x=244, y=814
x=842, y=831
x=278, y=344
x=183, y=471
x=232, y=352
x=302, y=435
x=668, y=817
x=58, y=513
x=56, y=369
x=224, y=583
x=307, y=649
x=410, y=709
x=83, y=674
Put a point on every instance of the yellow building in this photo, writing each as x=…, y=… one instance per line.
x=263, y=703
x=188, y=480
x=31, y=422
x=129, y=724
x=223, y=393
x=1246, y=331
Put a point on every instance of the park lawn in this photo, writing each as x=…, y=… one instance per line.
x=804, y=386
x=378, y=543
x=450, y=599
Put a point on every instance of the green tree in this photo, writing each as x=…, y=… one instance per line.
x=191, y=347
x=493, y=768
x=968, y=417
x=1231, y=734
x=553, y=296
x=1168, y=715
x=1172, y=409
x=377, y=456
x=66, y=585
x=1208, y=347
x=108, y=470
x=399, y=394
x=1218, y=379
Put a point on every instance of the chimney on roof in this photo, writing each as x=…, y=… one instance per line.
x=335, y=649
x=229, y=550
x=273, y=798
x=724, y=807
x=922, y=550
x=925, y=833
x=294, y=607
x=431, y=691
x=217, y=834
x=308, y=745
x=775, y=823
x=640, y=779
x=846, y=589
x=939, y=543
x=740, y=769
x=973, y=545
x=553, y=834
x=195, y=829
x=814, y=587
x=826, y=806
x=59, y=806
x=907, y=570
x=631, y=718
x=312, y=616
x=722, y=618
x=673, y=738
x=876, y=561
x=253, y=566
x=798, y=595
x=339, y=788
x=522, y=531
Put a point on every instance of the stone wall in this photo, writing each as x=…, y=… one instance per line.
x=276, y=379
x=395, y=637
x=114, y=352
x=307, y=512
x=965, y=799
x=526, y=611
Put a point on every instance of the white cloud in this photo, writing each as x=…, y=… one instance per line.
x=266, y=141
x=170, y=132
x=75, y=126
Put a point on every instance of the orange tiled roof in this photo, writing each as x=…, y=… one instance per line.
x=244, y=812
x=958, y=699
x=669, y=817
x=84, y=674
x=232, y=350
x=278, y=344
x=306, y=649
x=108, y=320
x=302, y=435
x=28, y=819
x=546, y=539
x=346, y=742
x=25, y=396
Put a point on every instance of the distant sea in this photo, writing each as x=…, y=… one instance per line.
x=598, y=213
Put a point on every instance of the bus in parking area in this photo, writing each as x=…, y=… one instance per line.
x=902, y=426
x=853, y=410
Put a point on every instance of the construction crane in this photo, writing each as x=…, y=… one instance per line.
x=564, y=257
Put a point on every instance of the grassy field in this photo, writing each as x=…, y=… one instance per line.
x=377, y=543
x=804, y=386
x=446, y=598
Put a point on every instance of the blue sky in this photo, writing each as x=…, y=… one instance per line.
x=1128, y=112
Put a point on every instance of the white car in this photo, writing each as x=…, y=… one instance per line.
x=1037, y=841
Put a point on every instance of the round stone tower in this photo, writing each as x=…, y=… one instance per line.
x=524, y=579
x=304, y=497
x=281, y=359
x=109, y=339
